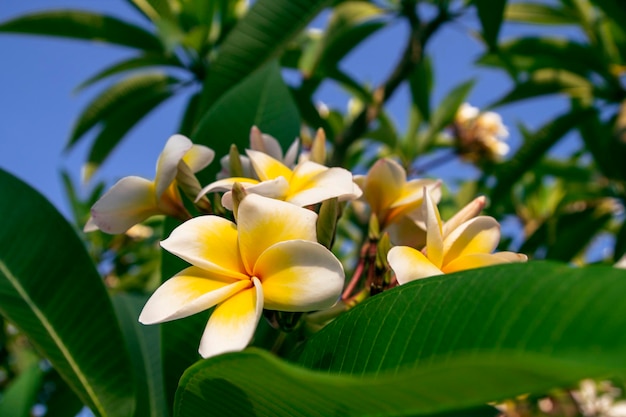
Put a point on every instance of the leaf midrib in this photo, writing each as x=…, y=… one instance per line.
x=13, y=280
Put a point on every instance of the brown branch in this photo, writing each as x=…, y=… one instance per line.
x=411, y=58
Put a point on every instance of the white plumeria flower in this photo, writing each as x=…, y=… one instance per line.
x=133, y=199
x=391, y=196
x=308, y=183
x=480, y=135
x=261, y=142
x=270, y=259
x=467, y=246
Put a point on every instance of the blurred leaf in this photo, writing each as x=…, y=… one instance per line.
x=143, y=343
x=20, y=396
x=154, y=9
x=263, y=100
x=490, y=13
x=139, y=62
x=46, y=277
x=421, y=84
x=439, y=345
x=261, y=35
x=350, y=23
x=190, y=117
x=529, y=54
x=84, y=25
x=129, y=90
x=121, y=121
x=548, y=81
x=538, y=13
x=534, y=148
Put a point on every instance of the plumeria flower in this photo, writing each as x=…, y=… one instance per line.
x=390, y=195
x=133, y=199
x=270, y=259
x=308, y=183
x=261, y=142
x=467, y=246
x=480, y=135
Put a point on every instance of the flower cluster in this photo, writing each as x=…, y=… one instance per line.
x=479, y=136
x=266, y=255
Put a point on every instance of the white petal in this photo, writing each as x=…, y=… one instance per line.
x=198, y=157
x=299, y=275
x=225, y=184
x=208, y=242
x=478, y=235
x=189, y=292
x=410, y=264
x=312, y=183
x=434, y=230
x=292, y=153
x=276, y=189
x=233, y=322
x=130, y=201
x=262, y=222
x=167, y=165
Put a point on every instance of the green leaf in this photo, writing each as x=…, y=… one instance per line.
x=438, y=345
x=20, y=396
x=263, y=100
x=350, y=23
x=534, y=148
x=539, y=14
x=155, y=10
x=86, y=26
x=421, y=84
x=530, y=54
x=140, y=62
x=490, y=13
x=143, y=343
x=46, y=277
x=121, y=121
x=548, y=81
x=107, y=103
x=261, y=35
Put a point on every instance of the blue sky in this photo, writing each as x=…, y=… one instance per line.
x=39, y=107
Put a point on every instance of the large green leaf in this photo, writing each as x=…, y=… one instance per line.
x=50, y=289
x=84, y=25
x=263, y=100
x=144, y=345
x=438, y=345
x=258, y=37
x=534, y=148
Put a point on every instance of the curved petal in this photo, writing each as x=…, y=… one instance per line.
x=175, y=149
x=471, y=210
x=208, y=242
x=292, y=153
x=383, y=185
x=130, y=201
x=233, y=322
x=266, y=167
x=478, y=235
x=477, y=260
x=410, y=264
x=407, y=232
x=198, y=157
x=276, y=189
x=312, y=183
x=434, y=233
x=412, y=197
x=225, y=184
x=299, y=275
x=262, y=222
x=189, y=292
